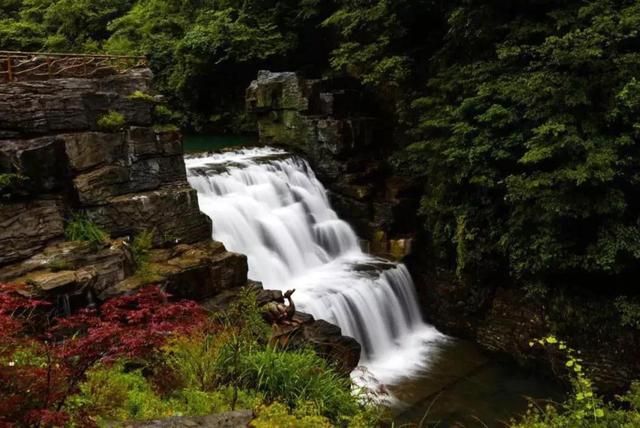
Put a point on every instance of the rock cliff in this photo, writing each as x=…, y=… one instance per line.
x=126, y=181
x=334, y=125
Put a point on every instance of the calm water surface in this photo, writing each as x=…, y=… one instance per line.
x=465, y=387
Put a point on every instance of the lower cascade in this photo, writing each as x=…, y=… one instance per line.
x=269, y=205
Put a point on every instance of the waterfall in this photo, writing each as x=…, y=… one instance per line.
x=269, y=205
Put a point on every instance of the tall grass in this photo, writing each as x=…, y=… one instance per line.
x=295, y=377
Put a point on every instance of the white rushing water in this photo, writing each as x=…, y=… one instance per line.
x=270, y=206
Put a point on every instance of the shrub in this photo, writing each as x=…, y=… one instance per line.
x=111, y=121
x=40, y=373
x=583, y=408
x=112, y=393
x=629, y=310
x=80, y=228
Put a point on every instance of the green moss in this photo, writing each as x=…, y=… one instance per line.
x=111, y=121
x=165, y=128
x=141, y=96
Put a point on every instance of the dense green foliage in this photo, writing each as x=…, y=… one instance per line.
x=530, y=146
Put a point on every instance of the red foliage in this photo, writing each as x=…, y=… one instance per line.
x=38, y=372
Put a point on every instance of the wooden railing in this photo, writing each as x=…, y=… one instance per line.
x=20, y=66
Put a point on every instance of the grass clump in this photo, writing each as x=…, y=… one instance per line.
x=141, y=248
x=80, y=228
x=165, y=119
x=111, y=121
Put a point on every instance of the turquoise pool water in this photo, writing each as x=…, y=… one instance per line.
x=206, y=143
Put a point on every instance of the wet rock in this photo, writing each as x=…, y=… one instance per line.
x=505, y=320
x=127, y=182
x=172, y=213
x=87, y=150
x=333, y=122
x=73, y=266
x=197, y=272
x=95, y=187
x=146, y=142
x=325, y=338
x=42, y=161
x=27, y=227
x=71, y=104
x=279, y=91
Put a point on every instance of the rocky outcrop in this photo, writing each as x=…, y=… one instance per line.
x=199, y=271
x=125, y=181
x=325, y=338
x=301, y=330
x=335, y=126
x=54, y=106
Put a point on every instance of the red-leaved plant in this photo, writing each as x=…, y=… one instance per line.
x=43, y=359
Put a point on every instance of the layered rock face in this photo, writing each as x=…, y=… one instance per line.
x=126, y=182
x=333, y=125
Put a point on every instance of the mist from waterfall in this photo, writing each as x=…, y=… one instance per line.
x=269, y=205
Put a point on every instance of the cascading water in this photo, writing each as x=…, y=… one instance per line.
x=269, y=205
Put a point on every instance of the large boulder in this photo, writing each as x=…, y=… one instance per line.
x=171, y=213
x=27, y=227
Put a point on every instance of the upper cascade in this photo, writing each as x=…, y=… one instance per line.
x=269, y=205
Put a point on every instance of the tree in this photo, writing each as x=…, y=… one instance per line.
x=530, y=147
